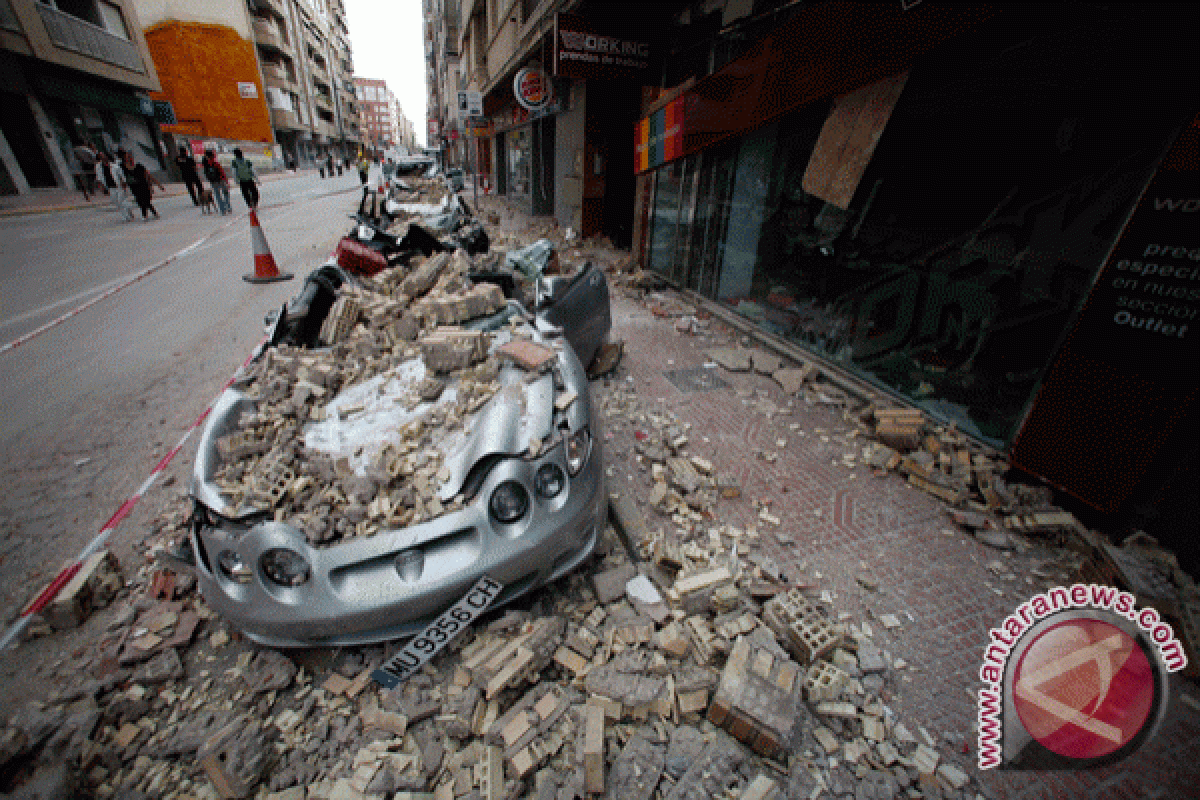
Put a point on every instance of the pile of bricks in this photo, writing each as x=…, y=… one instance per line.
x=375, y=332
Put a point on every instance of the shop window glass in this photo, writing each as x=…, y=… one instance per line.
x=710, y=223
x=519, y=157
x=740, y=268
x=972, y=237
x=665, y=217
x=680, y=256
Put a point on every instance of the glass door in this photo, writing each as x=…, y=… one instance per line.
x=682, y=261
x=710, y=218
x=665, y=217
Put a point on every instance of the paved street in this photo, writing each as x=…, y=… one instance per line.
x=91, y=404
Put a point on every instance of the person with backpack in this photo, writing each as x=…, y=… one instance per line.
x=243, y=170
x=218, y=180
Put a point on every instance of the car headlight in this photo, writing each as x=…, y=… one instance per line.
x=284, y=567
x=509, y=502
x=578, y=444
x=234, y=568
x=549, y=480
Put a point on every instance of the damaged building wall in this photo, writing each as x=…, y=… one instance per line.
x=568, y=155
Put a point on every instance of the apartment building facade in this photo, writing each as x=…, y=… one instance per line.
x=72, y=72
x=384, y=124
x=444, y=80
x=273, y=77
x=557, y=139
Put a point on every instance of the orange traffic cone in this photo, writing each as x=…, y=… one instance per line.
x=265, y=270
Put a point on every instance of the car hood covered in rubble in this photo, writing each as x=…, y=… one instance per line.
x=361, y=420
x=348, y=493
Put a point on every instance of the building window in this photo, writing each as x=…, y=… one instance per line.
x=519, y=157
x=114, y=21
x=527, y=9
x=85, y=10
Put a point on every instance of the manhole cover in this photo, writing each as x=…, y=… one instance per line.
x=696, y=379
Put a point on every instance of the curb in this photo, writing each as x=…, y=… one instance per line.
x=104, y=205
x=25, y=212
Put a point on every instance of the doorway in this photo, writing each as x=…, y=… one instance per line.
x=23, y=137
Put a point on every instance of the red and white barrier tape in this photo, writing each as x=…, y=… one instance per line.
x=47, y=595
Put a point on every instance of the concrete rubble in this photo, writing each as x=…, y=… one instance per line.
x=681, y=662
x=397, y=324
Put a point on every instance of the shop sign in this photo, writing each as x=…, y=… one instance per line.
x=659, y=137
x=470, y=104
x=1120, y=387
x=583, y=50
x=479, y=126
x=433, y=128
x=164, y=113
x=88, y=94
x=248, y=89
x=533, y=89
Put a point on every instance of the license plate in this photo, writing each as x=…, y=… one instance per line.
x=429, y=642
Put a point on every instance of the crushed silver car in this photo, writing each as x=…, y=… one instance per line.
x=376, y=462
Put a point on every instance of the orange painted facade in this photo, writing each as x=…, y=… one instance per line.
x=200, y=67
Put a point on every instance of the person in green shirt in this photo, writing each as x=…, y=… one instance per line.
x=243, y=170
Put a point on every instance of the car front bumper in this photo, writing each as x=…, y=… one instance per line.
x=368, y=590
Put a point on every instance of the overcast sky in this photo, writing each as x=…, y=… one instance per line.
x=385, y=36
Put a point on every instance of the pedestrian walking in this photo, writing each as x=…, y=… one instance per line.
x=364, y=167
x=139, y=181
x=243, y=170
x=110, y=175
x=329, y=165
x=218, y=180
x=191, y=178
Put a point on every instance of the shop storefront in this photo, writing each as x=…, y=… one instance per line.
x=518, y=155
x=79, y=109
x=950, y=271
x=949, y=225
x=524, y=143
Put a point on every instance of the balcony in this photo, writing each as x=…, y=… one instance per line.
x=274, y=7
x=314, y=44
x=286, y=120
x=72, y=33
x=269, y=38
x=275, y=75
x=323, y=102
